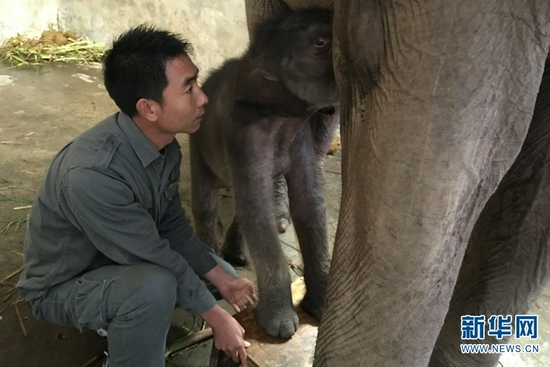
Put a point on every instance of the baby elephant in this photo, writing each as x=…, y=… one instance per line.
x=271, y=114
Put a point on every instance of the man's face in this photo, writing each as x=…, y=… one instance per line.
x=183, y=100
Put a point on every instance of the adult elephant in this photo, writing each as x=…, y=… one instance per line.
x=441, y=130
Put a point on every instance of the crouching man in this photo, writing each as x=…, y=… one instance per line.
x=108, y=244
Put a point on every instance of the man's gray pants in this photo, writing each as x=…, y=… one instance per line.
x=134, y=303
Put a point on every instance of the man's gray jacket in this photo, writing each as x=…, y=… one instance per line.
x=110, y=197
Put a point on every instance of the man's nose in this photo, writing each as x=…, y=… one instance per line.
x=202, y=99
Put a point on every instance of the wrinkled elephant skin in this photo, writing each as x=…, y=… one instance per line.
x=437, y=98
x=429, y=130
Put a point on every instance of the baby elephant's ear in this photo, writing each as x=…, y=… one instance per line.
x=269, y=45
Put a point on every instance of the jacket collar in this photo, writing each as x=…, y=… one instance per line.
x=145, y=150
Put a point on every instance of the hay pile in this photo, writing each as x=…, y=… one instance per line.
x=53, y=46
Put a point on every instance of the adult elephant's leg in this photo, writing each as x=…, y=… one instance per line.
x=508, y=257
x=429, y=127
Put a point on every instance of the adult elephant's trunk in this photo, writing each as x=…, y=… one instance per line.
x=426, y=139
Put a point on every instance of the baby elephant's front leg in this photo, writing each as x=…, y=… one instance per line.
x=275, y=313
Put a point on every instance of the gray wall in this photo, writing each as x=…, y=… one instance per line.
x=216, y=28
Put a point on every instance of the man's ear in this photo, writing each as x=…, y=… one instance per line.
x=148, y=109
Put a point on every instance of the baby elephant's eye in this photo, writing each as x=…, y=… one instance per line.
x=320, y=42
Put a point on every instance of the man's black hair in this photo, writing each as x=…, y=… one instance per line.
x=135, y=66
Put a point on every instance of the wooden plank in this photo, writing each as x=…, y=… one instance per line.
x=219, y=359
x=267, y=351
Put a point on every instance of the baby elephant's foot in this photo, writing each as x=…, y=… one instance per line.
x=235, y=258
x=313, y=306
x=278, y=322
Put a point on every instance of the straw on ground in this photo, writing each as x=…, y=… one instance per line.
x=52, y=46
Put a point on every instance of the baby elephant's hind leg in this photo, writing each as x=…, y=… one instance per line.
x=232, y=250
x=307, y=206
x=204, y=203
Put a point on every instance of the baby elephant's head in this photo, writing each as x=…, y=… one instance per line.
x=295, y=48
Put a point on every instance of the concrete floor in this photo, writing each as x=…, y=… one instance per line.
x=42, y=108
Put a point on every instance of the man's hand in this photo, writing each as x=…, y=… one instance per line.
x=238, y=292
x=228, y=334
